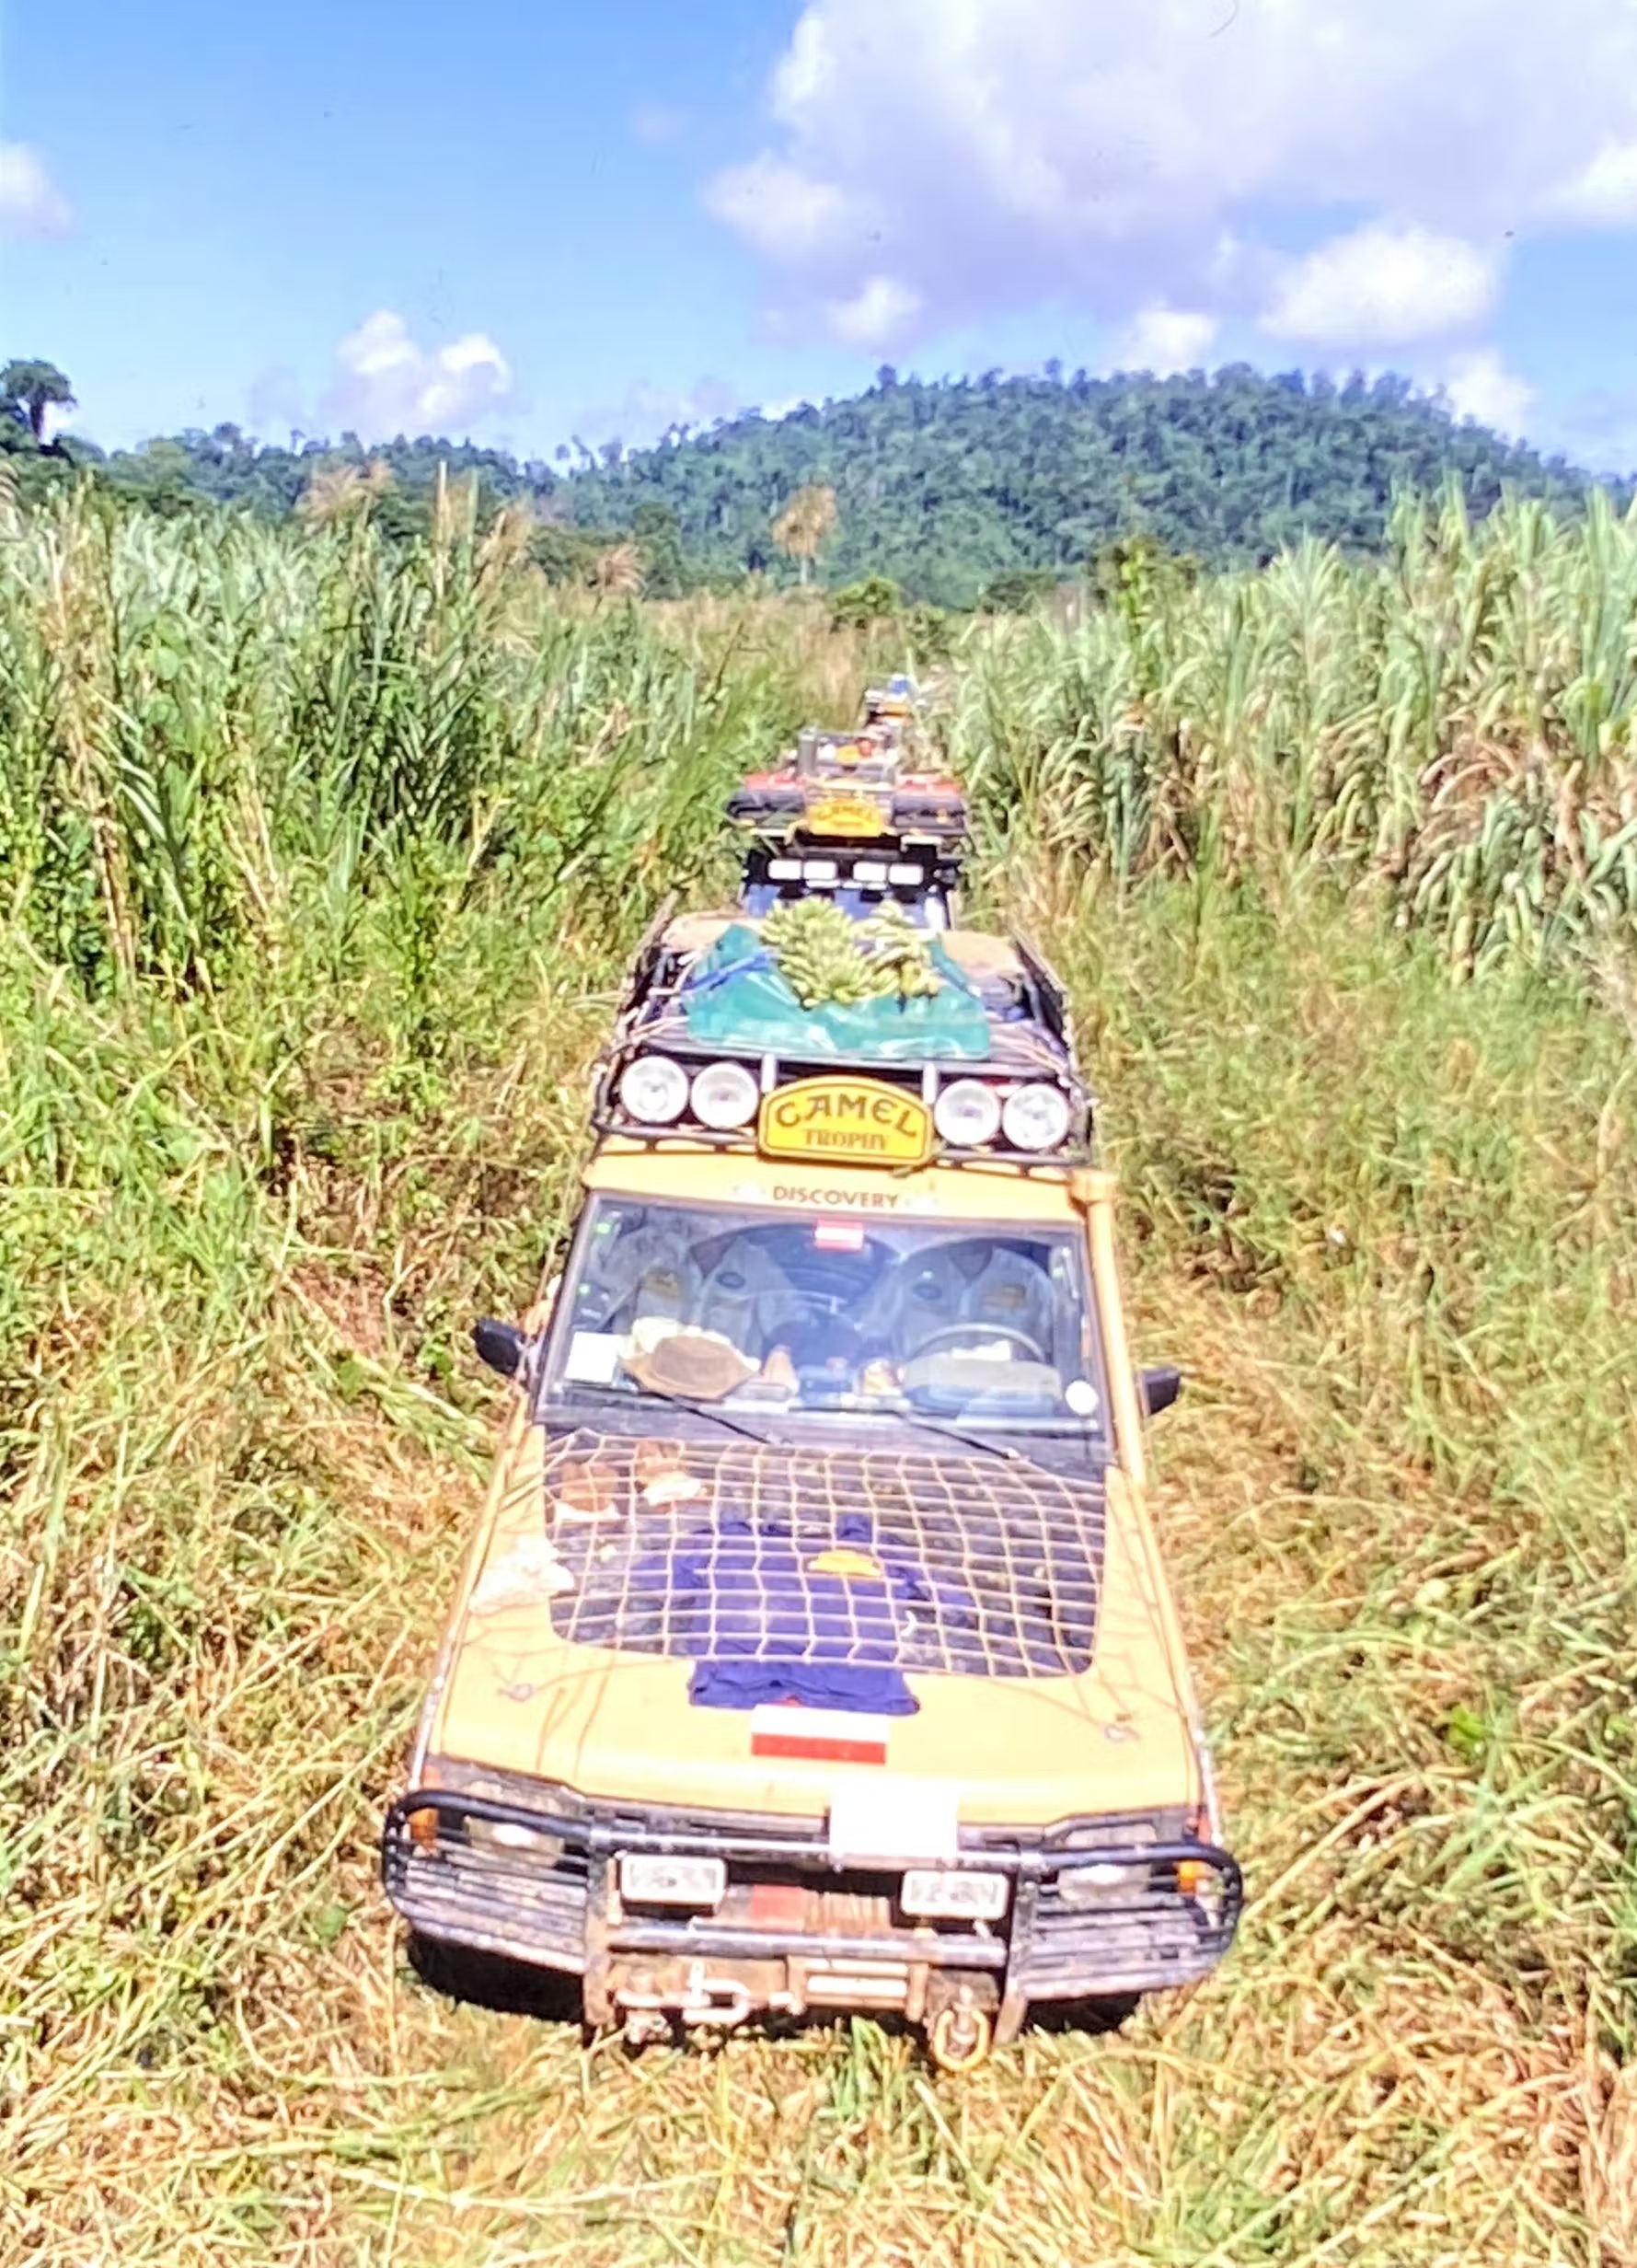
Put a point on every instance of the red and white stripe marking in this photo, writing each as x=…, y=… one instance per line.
x=819, y=1736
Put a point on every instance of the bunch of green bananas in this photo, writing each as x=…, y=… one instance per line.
x=901, y=952
x=829, y=960
x=817, y=949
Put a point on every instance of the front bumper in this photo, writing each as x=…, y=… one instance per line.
x=536, y=1880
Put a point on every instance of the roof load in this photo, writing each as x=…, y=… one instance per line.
x=851, y=787
x=714, y=1045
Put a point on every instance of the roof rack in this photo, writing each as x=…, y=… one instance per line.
x=854, y=786
x=918, y=875
x=1024, y=1103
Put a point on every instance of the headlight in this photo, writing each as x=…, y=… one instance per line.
x=648, y=1879
x=506, y=1836
x=904, y=875
x=1036, y=1118
x=870, y=873
x=967, y=1112
x=818, y=870
x=654, y=1090
x=724, y=1094
x=784, y=869
x=951, y=1896
x=1105, y=1883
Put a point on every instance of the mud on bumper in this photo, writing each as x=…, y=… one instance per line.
x=1097, y=1908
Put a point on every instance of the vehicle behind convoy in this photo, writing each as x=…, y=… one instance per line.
x=865, y=816
x=850, y=787
x=815, y=1649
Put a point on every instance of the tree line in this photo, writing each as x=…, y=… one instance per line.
x=956, y=492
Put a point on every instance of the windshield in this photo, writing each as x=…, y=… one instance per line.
x=752, y=1311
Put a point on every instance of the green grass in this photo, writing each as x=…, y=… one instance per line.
x=254, y=1186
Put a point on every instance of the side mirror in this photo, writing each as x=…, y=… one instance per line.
x=1158, y=1389
x=502, y=1345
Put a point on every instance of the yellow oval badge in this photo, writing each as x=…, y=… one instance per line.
x=846, y=815
x=831, y=1118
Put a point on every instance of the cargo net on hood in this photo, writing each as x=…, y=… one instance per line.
x=977, y=1566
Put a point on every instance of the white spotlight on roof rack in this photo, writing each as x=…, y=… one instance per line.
x=967, y=1112
x=654, y=1090
x=1036, y=1118
x=724, y=1095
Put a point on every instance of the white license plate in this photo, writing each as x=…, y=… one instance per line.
x=944, y=1896
x=647, y=1878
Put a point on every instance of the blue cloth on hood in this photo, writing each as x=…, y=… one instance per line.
x=744, y=1683
x=738, y=1589
x=761, y=1624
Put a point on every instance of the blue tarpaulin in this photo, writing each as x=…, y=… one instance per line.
x=738, y=998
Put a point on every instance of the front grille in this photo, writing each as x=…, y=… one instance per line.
x=976, y=1567
x=461, y=1884
x=1144, y=1933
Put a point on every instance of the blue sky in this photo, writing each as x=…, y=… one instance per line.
x=526, y=219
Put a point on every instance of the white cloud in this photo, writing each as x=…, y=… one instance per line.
x=878, y=316
x=645, y=412
x=987, y=154
x=30, y=203
x=1381, y=287
x=274, y=404
x=388, y=385
x=1479, y=385
x=1605, y=194
x=1163, y=338
x=780, y=209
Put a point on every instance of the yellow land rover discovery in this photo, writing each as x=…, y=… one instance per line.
x=813, y=1651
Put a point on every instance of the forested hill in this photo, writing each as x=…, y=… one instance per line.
x=952, y=488
x=943, y=486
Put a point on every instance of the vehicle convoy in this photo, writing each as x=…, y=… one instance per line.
x=814, y=1650
x=858, y=816
x=877, y=785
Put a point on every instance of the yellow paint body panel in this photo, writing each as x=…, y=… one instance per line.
x=510, y=1694
x=690, y=1174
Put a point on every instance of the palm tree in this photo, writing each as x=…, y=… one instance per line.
x=802, y=525
x=28, y=389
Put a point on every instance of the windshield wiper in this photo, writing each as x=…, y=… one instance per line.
x=647, y=1398
x=1026, y=1431
x=954, y=1433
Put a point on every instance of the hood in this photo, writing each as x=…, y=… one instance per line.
x=1002, y=1623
